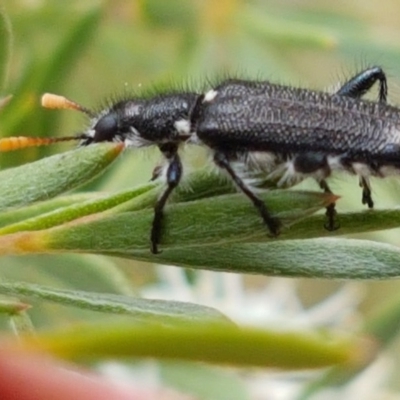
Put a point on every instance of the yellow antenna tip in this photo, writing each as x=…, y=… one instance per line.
x=55, y=101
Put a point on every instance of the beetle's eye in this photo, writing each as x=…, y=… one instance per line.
x=106, y=128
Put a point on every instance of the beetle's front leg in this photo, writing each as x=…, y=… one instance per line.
x=173, y=176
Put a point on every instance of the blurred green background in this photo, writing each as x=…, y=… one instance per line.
x=94, y=50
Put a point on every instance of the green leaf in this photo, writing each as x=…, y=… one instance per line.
x=54, y=175
x=322, y=258
x=316, y=258
x=225, y=233
x=217, y=221
x=213, y=343
x=93, y=204
x=142, y=310
x=16, y=215
x=57, y=211
x=222, y=232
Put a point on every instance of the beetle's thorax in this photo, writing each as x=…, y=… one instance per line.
x=144, y=122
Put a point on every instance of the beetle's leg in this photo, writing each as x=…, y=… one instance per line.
x=273, y=223
x=332, y=224
x=356, y=88
x=174, y=174
x=366, y=193
x=360, y=84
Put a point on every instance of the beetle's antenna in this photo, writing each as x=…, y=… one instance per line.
x=54, y=101
x=21, y=142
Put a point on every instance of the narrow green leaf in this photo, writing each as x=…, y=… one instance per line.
x=225, y=233
x=142, y=310
x=16, y=215
x=213, y=343
x=70, y=212
x=54, y=175
x=44, y=215
x=322, y=258
x=54, y=212
x=216, y=221
x=316, y=258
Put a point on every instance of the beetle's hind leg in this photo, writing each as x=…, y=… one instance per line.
x=332, y=223
x=273, y=223
x=362, y=83
x=356, y=88
x=366, y=192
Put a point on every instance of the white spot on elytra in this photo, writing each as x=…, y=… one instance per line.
x=210, y=95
